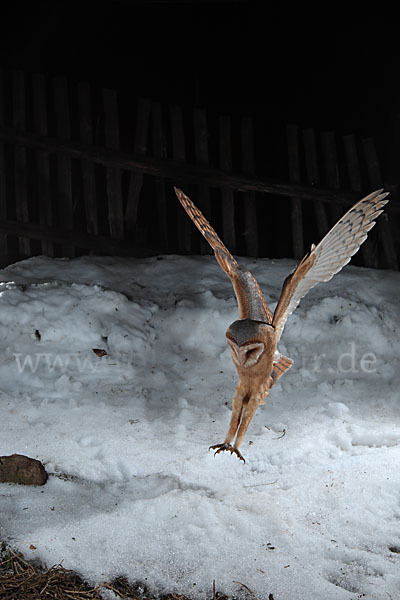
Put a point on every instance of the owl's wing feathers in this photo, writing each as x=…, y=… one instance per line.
x=280, y=367
x=332, y=253
x=250, y=299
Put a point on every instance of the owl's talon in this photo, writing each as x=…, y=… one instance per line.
x=222, y=447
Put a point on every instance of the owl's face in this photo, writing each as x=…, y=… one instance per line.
x=246, y=340
x=246, y=355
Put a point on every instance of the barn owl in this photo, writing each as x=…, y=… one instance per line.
x=254, y=337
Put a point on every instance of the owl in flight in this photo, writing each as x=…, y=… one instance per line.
x=254, y=337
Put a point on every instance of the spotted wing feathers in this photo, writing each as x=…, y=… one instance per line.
x=250, y=299
x=330, y=256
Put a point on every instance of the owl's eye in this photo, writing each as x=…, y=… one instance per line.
x=252, y=352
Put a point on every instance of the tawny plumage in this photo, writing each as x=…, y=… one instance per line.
x=254, y=337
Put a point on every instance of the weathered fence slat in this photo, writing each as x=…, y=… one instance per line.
x=3, y=199
x=383, y=225
x=136, y=179
x=310, y=149
x=64, y=167
x=42, y=159
x=353, y=163
x=114, y=187
x=250, y=206
x=331, y=169
x=227, y=196
x=354, y=172
x=179, y=172
x=201, y=155
x=20, y=160
x=179, y=154
x=25, y=145
x=292, y=133
x=66, y=237
x=160, y=151
x=88, y=173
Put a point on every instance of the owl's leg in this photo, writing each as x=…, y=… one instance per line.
x=237, y=409
x=248, y=414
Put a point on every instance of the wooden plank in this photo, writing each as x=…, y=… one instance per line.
x=354, y=172
x=114, y=189
x=160, y=151
x=179, y=173
x=372, y=161
x=42, y=159
x=3, y=198
x=179, y=155
x=178, y=136
x=331, y=169
x=353, y=163
x=136, y=179
x=201, y=156
x=310, y=148
x=88, y=173
x=383, y=225
x=64, y=165
x=78, y=239
x=292, y=132
x=20, y=161
x=250, y=205
x=227, y=195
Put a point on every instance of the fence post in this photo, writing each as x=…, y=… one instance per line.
x=383, y=225
x=136, y=179
x=250, y=206
x=42, y=159
x=227, y=196
x=292, y=133
x=3, y=199
x=64, y=199
x=179, y=154
x=354, y=171
x=201, y=155
x=20, y=161
x=310, y=148
x=88, y=172
x=114, y=189
x=160, y=151
x=331, y=169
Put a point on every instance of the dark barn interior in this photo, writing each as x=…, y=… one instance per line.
x=274, y=127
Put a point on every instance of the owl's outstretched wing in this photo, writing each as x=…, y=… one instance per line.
x=251, y=301
x=332, y=253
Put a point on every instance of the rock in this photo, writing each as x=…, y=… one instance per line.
x=18, y=468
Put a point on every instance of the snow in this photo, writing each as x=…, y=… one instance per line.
x=133, y=490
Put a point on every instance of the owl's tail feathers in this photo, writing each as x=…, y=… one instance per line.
x=280, y=367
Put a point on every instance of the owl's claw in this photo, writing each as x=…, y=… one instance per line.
x=222, y=447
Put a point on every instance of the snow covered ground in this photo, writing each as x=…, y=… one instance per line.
x=315, y=511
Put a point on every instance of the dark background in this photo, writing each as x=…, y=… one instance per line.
x=325, y=72
x=330, y=73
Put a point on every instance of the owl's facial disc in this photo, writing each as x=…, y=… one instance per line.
x=246, y=355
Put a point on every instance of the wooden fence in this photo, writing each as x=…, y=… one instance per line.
x=80, y=171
